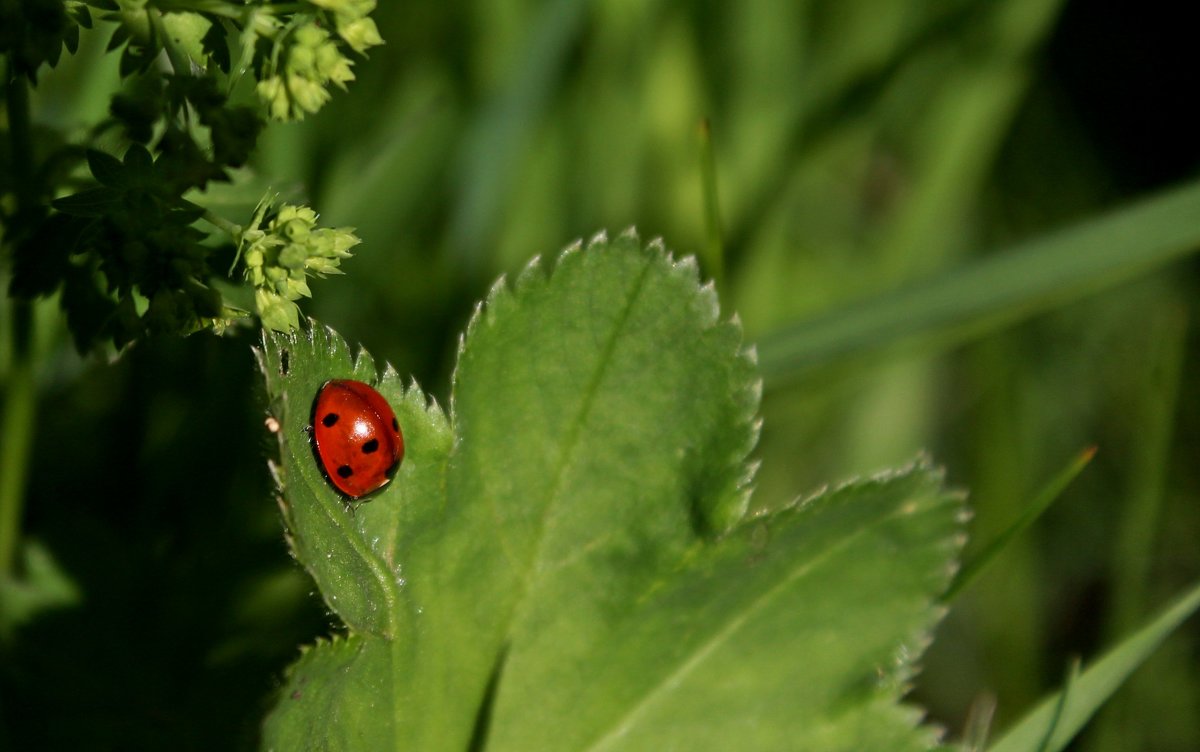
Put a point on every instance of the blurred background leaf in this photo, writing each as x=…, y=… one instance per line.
x=859, y=147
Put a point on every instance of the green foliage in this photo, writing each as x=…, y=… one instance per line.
x=571, y=566
x=34, y=32
x=280, y=253
x=1019, y=283
x=45, y=586
x=891, y=177
x=1057, y=719
x=123, y=246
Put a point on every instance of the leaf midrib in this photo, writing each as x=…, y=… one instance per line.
x=724, y=633
x=571, y=443
x=354, y=536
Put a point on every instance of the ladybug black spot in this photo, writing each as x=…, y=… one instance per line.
x=345, y=471
x=329, y=420
x=396, y=425
x=370, y=446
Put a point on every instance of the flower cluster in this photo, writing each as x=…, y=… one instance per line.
x=353, y=22
x=295, y=81
x=127, y=250
x=279, y=250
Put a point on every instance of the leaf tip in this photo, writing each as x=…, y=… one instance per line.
x=532, y=272
x=364, y=365
x=496, y=293
x=571, y=249
x=276, y=473
x=601, y=239
x=750, y=353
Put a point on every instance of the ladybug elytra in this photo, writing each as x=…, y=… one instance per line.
x=356, y=437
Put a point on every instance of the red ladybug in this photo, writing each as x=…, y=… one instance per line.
x=357, y=437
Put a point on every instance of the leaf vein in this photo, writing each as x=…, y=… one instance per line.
x=721, y=636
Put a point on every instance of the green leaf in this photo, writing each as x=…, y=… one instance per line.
x=187, y=31
x=119, y=37
x=71, y=38
x=136, y=58
x=353, y=556
x=95, y=202
x=1057, y=719
x=138, y=161
x=795, y=632
x=44, y=586
x=106, y=168
x=1005, y=287
x=216, y=45
x=571, y=568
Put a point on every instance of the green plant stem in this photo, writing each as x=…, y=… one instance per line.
x=211, y=7
x=16, y=437
x=714, y=257
x=1040, y=504
x=224, y=225
x=16, y=432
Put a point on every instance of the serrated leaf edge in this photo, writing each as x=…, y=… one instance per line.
x=535, y=272
x=323, y=338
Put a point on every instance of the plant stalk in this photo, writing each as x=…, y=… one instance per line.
x=16, y=437
x=714, y=251
x=16, y=431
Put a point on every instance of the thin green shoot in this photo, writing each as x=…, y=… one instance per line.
x=1064, y=693
x=1095, y=684
x=1049, y=493
x=714, y=247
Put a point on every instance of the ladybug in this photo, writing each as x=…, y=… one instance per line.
x=356, y=437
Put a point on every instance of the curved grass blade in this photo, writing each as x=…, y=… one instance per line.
x=998, y=290
x=1040, y=504
x=1095, y=685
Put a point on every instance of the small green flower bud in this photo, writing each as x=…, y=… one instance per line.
x=343, y=240
x=310, y=35
x=322, y=266
x=273, y=94
x=296, y=231
x=276, y=313
x=306, y=95
x=261, y=23
x=302, y=60
x=360, y=33
x=292, y=256
x=332, y=65
x=289, y=212
x=298, y=288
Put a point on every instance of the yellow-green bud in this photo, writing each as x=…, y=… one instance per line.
x=360, y=33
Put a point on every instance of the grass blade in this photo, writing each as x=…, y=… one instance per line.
x=1040, y=504
x=1060, y=705
x=714, y=250
x=1001, y=289
x=1095, y=685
